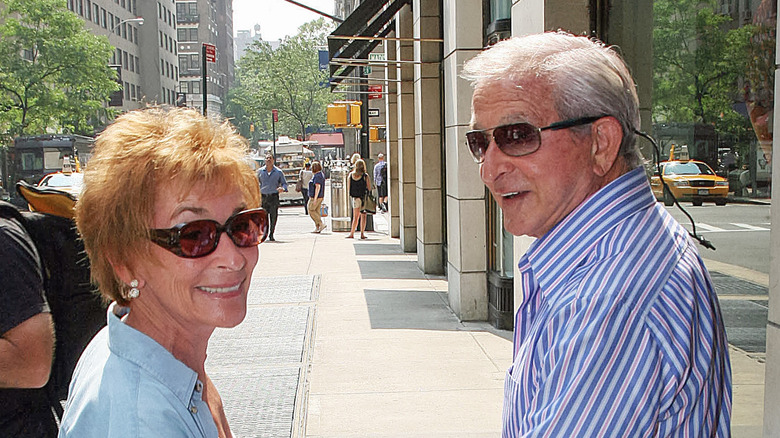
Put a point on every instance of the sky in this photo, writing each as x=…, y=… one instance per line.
x=277, y=18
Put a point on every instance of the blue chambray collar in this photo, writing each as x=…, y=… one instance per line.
x=555, y=255
x=138, y=348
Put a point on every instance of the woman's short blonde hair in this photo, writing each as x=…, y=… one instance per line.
x=137, y=155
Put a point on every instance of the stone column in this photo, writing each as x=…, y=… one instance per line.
x=466, y=215
x=772, y=370
x=407, y=204
x=428, y=136
x=391, y=100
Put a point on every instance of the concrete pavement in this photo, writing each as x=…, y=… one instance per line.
x=348, y=338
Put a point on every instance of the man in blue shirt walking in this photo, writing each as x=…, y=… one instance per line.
x=272, y=182
x=619, y=333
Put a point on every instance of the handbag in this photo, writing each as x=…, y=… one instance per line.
x=298, y=185
x=369, y=204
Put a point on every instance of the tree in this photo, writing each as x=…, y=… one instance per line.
x=54, y=74
x=698, y=64
x=287, y=79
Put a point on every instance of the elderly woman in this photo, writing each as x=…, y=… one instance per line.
x=170, y=222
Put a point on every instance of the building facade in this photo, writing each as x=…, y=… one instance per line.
x=205, y=22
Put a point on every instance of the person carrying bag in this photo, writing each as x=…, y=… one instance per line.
x=359, y=188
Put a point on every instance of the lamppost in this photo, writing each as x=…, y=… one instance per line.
x=139, y=20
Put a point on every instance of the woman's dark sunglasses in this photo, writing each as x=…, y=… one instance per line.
x=200, y=238
x=517, y=139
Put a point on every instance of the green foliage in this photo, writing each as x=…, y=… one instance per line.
x=287, y=79
x=53, y=73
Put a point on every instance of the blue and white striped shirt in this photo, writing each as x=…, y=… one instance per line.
x=620, y=332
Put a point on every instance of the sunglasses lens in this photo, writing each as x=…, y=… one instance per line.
x=517, y=139
x=198, y=238
x=478, y=143
x=248, y=228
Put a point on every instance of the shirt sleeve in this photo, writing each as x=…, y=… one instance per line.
x=283, y=180
x=21, y=288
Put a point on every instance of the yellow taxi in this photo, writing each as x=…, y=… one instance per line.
x=689, y=180
x=68, y=180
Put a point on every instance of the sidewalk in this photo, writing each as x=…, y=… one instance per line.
x=347, y=338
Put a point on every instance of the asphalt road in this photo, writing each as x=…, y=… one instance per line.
x=740, y=232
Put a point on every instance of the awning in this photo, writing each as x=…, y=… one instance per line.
x=368, y=21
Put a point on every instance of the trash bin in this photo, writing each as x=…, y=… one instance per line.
x=340, y=218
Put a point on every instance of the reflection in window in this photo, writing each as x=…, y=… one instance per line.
x=713, y=83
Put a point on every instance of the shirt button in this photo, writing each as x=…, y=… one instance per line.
x=198, y=387
x=194, y=409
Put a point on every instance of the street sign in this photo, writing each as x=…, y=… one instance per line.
x=211, y=52
x=373, y=112
x=375, y=91
x=275, y=114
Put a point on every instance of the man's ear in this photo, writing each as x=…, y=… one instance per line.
x=607, y=134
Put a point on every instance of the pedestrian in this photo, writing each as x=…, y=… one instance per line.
x=619, y=332
x=380, y=178
x=358, y=185
x=272, y=183
x=26, y=338
x=317, y=191
x=305, y=176
x=173, y=247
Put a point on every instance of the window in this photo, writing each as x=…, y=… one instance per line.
x=124, y=30
x=88, y=10
x=125, y=62
x=184, y=62
x=131, y=66
x=161, y=39
x=132, y=92
x=159, y=10
x=137, y=65
x=195, y=87
x=96, y=14
x=110, y=21
x=127, y=91
x=103, y=18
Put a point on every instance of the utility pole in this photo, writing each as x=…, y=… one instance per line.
x=205, y=75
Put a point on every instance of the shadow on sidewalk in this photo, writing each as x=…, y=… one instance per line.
x=394, y=269
x=410, y=309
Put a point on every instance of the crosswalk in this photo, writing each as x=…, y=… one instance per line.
x=730, y=227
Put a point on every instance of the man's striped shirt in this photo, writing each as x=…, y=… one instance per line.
x=619, y=333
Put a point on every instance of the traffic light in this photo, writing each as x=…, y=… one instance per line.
x=344, y=114
x=377, y=133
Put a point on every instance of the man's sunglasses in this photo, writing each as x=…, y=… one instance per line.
x=517, y=139
x=200, y=238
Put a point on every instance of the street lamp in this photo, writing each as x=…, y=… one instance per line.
x=139, y=20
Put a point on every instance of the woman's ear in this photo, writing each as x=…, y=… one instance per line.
x=607, y=135
x=121, y=270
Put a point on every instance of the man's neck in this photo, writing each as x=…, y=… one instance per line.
x=269, y=168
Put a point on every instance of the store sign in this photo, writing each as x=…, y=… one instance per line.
x=373, y=112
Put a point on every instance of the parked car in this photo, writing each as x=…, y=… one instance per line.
x=690, y=180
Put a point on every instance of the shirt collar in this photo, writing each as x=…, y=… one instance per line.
x=138, y=348
x=556, y=254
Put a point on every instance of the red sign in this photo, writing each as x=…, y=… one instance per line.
x=275, y=114
x=375, y=91
x=211, y=52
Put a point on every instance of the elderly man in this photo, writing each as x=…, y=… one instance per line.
x=619, y=332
